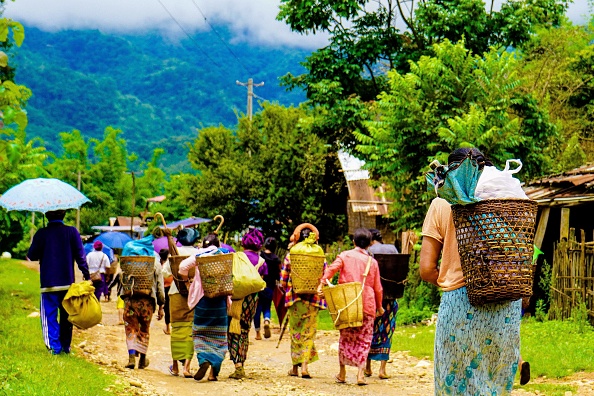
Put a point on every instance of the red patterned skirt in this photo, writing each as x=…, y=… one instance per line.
x=355, y=342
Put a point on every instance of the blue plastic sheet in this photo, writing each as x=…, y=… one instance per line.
x=455, y=183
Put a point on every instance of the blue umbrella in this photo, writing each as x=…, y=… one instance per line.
x=42, y=195
x=106, y=249
x=115, y=240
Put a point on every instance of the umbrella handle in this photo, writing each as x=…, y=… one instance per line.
x=220, y=224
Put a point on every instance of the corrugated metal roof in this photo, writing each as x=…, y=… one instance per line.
x=567, y=188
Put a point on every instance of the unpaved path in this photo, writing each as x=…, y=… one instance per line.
x=266, y=367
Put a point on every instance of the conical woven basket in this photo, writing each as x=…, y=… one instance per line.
x=306, y=271
x=496, y=244
x=182, y=285
x=216, y=273
x=138, y=274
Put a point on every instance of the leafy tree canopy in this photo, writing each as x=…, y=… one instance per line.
x=450, y=100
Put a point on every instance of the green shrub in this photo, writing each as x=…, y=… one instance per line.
x=412, y=315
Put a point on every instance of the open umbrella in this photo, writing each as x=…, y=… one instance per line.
x=115, y=240
x=106, y=249
x=163, y=243
x=42, y=195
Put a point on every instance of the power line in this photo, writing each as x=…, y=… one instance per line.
x=188, y=35
x=221, y=38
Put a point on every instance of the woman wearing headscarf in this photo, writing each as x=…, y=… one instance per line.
x=238, y=343
x=181, y=316
x=476, y=348
x=209, y=329
x=355, y=342
x=302, y=310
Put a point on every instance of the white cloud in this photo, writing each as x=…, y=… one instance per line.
x=252, y=21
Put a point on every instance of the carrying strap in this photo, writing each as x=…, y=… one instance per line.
x=340, y=311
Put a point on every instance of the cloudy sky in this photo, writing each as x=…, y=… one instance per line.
x=253, y=21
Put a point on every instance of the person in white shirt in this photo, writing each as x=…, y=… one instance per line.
x=98, y=262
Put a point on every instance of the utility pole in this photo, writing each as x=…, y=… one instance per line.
x=250, y=88
x=133, y=204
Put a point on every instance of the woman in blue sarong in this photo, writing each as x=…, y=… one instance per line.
x=476, y=348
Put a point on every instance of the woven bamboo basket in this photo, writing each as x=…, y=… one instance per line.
x=113, y=268
x=306, y=271
x=216, y=273
x=345, y=304
x=393, y=269
x=138, y=274
x=182, y=285
x=496, y=244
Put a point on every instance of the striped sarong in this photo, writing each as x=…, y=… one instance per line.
x=182, y=346
x=239, y=343
x=303, y=322
x=138, y=312
x=383, y=329
x=476, y=348
x=210, y=331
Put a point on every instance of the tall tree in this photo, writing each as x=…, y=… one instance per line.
x=453, y=99
x=364, y=41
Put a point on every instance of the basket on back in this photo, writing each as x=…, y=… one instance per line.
x=216, y=274
x=393, y=269
x=138, y=274
x=495, y=242
x=345, y=304
x=307, y=265
x=182, y=286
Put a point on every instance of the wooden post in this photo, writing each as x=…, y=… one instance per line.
x=564, y=231
x=78, y=209
x=542, y=226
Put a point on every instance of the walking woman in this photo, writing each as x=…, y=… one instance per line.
x=265, y=296
x=209, y=330
x=139, y=308
x=238, y=343
x=476, y=348
x=181, y=315
x=383, y=327
x=303, y=312
x=355, y=342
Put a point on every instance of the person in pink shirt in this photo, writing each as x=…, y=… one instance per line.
x=355, y=342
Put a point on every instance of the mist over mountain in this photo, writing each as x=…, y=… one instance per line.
x=157, y=91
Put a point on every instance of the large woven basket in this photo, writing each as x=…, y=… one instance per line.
x=113, y=268
x=182, y=286
x=306, y=271
x=345, y=304
x=496, y=244
x=216, y=273
x=137, y=274
x=393, y=269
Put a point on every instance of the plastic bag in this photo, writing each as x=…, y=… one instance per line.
x=308, y=247
x=496, y=184
x=84, y=310
x=246, y=279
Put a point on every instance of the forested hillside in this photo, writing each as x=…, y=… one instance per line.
x=157, y=91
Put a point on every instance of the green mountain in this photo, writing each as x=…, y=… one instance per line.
x=157, y=91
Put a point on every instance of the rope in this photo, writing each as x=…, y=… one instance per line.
x=404, y=282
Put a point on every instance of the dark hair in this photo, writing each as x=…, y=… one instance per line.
x=362, y=238
x=211, y=239
x=461, y=153
x=270, y=243
x=304, y=234
x=187, y=236
x=376, y=235
x=55, y=215
x=163, y=253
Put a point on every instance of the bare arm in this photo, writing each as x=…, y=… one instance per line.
x=430, y=253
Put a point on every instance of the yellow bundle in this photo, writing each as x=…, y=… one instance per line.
x=246, y=279
x=84, y=310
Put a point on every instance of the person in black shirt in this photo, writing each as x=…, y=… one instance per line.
x=265, y=296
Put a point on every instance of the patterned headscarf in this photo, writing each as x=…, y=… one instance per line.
x=253, y=240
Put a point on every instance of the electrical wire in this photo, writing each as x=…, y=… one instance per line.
x=221, y=38
x=188, y=35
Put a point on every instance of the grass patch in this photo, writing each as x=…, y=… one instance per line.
x=418, y=340
x=548, y=389
x=27, y=367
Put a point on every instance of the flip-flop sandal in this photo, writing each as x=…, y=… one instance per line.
x=338, y=380
x=212, y=379
x=361, y=383
x=367, y=373
x=202, y=371
x=305, y=375
x=187, y=375
x=291, y=373
x=384, y=376
x=175, y=374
